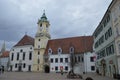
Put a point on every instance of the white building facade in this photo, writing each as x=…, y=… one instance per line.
x=106, y=41
x=21, y=55
x=59, y=55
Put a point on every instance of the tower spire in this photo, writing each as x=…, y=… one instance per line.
x=3, y=47
x=44, y=18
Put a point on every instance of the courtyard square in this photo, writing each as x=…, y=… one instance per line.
x=45, y=76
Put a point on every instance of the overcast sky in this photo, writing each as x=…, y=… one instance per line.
x=68, y=18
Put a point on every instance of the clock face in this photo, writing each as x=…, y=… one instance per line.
x=41, y=34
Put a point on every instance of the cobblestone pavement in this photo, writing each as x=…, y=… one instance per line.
x=44, y=76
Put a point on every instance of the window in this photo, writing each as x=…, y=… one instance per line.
x=17, y=56
x=66, y=60
x=49, y=51
x=110, y=50
x=71, y=50
x=30, y=47
x=12, y=56
x=16, y=65
x=92, y=68
x=38, y=61
x=30, y=56
x=61, y=60
x=75, y=59
x=56, y=68
x=23, y=55
x=51, y=60
x=38, y=39
x=40, y=25
x=38, y=46
x=78, y=58
x=24, y=65
x=119, y=47
x=59, y=50
x=13, y=49
x=82, y=59
x=21, y=50
x=56, y=60
x=66, y=68
x=38, y=53
x=92, y=59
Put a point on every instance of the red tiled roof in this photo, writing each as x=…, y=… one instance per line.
x=81, y=44
x=5, y=54
x=26, y=40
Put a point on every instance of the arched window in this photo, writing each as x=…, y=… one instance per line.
x=49, y=51
x=59, y=51
x=71, y=49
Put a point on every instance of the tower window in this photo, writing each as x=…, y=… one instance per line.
x=40, y=25
x=38, y=39
x=38, y=53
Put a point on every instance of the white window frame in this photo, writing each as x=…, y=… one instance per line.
x=71, y=50
x=49, y=51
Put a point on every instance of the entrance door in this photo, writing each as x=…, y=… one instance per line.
x=47, y=69
x=20, y=68
x=29, y=68
x=10, y=68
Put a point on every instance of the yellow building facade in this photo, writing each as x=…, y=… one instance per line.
x=41, y=38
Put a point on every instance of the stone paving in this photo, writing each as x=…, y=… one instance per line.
x=45, y=76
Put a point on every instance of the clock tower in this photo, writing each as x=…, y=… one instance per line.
x=41, y=38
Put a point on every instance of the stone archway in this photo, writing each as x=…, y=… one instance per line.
x=47, y=69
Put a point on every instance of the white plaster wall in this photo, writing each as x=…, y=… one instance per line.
x=52, y=65
x=25, y=49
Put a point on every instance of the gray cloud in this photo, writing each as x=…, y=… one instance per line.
x=67, y=18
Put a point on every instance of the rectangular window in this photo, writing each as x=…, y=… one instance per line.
x=24, y=65
x=23, y=55
x=66, y=60
x=61, y=60
x=92, y=68
x=51, y=60
x=82, y=59
x=78, y=58
x=119, y=47
x=16, y=65
x=75, y=59
x=12, y=56
x=56, y=60
x=66, y=68
x=17, y=56
x=30, y=56
x=38, y=61
x=56, y=68
x=92, y=59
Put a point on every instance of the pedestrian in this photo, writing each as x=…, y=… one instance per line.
x=2, y=69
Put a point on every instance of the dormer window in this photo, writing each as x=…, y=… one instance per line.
x=49, y=51
x=71, y=49
x=59, y=50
